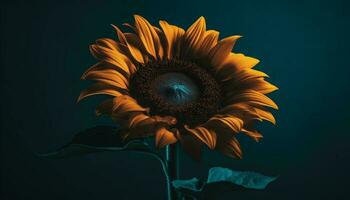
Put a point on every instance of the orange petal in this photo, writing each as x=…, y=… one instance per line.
x=241, y=61
x=240, y=110
x=108, y=43
x=265, y=115
x=102, y=66
x=163, y=43
x=119, y=106
x=111, y=56
x=243, y=75
x=135, y=47
x=120, y=35
x=208, y=137
x=194, y=36
x=234, y=63
x=132, y=43
x=141, y=125
x=253, y=98
x=100, y=88
x=164, y=137
x=148, y=36
x=173, y=35
x=255, y=135
x=247, y=79
x=222, y=50
x=129, y=26
x=169, y=120
x=210, y=40
x=138, y=118
x=259, y=85
x=231, y=148
x=231, y=122
x=107, y=76
x=125, y=104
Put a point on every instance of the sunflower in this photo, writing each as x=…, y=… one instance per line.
x=179, y=85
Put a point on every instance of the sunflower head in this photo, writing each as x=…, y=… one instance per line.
x=179, y=85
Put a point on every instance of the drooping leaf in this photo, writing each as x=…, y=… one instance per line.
x=188, y=188
x=246, y=179
x=97, y=139
x=222, y=180
x=191, y=184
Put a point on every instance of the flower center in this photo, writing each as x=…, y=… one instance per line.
x=176, y=88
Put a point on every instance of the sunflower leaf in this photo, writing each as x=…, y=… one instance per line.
x=220, y=181
x=251, y=180
x=189, y=188
x=191, y=184
x=97, y=139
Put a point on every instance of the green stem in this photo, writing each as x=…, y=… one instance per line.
x=172, y=162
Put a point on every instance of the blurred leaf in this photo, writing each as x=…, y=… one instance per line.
x=246, y=179
x=188, y=188
x=191, y=184
x=220, y=181
x=98, y=139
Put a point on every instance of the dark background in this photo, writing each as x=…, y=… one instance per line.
x=302, y=45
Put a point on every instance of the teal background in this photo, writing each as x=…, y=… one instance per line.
x=302, y=45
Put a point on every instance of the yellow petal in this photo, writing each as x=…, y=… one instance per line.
x=253, y=98
x=101, y=88
x=162, y=45
x=255, y=135
x=107, y=76
x=135, y=47
x=247, y=79
x=257, y=84
x=208, y=137
x=231, y=122
x=140, y=119
x=194, y=36
x=132, y=43
x=141, y=125
x=210, y=40
x=125, y=104
x=240, y=61
x=222, y=50
x=107, y=43
x=149, y=37
x=265, y=115
x=240, y=110
x=173, y=35
x=164, y=137
x=103, y=66
x=231, y=148
x=141, y=122
x=234, y=63
x=130, y=26
x=137, y=119
x=111, y=56
x=260, y=85
x=119, y=106
x=169, y=120
x=243, y=75
x=120, y=35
